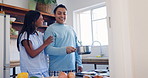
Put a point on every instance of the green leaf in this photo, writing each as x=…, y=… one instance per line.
x=34, y=77
x=42, y=1
x=46, y=1
x=53, y=1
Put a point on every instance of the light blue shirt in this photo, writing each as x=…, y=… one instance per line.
x=38, y=64
x=64, y=36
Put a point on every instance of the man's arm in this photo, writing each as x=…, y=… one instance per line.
x=50, y=49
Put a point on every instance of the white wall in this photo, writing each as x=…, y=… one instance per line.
x=19, y=3
x=139, y=37
x=120, y=55
x=73, y=5
x=0, y=1
x=14, y=53
x=128, y=39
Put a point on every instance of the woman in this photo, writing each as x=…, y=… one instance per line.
x=30, y=43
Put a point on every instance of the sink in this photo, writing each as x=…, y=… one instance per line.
x=93, y=57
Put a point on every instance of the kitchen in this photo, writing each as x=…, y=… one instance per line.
x=127, y=50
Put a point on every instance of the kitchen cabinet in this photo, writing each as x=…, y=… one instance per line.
x=19, y=13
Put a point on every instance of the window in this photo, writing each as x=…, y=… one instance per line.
x=91, y=25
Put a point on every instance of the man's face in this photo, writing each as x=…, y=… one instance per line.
x=60, y=15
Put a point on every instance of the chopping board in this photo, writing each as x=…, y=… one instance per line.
x=52, y=77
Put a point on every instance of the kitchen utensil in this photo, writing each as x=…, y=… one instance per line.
x=81, y=74
x=83, y=49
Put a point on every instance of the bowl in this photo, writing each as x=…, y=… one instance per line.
x=12, y=19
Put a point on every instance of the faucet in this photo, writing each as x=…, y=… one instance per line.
x=80, y=43
x=100, y=46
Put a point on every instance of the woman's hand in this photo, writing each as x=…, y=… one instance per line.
x=49, y=40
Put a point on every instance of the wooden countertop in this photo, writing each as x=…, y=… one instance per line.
x=95, y=60
x=14, y=64
x=85, y=60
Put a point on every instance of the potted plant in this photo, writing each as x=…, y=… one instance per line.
x=45, y=5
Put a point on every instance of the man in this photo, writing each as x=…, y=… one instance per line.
x=62, y=52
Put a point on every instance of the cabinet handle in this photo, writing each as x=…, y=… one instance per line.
x=109, y=19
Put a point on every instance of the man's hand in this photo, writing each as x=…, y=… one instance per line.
x=70, y=49
x=80, y=69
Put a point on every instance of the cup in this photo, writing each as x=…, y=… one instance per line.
x=45, y=23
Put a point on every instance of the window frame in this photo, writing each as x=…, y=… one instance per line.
x=76, y=18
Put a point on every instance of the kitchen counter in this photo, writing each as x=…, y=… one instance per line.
x=85, y=60
x=95, y=60
x=14, y=64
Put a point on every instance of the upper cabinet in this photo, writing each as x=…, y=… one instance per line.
x=19, y=14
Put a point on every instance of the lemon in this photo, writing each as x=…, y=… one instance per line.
x=98, y=56
x=22, y=75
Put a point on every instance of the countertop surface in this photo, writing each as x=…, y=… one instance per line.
x=94, y=57
x=14, y=64
x=95, y=60
x=85, y=60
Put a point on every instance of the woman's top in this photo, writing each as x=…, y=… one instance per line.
x=37, y=64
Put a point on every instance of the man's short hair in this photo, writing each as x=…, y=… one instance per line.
x=59, y=6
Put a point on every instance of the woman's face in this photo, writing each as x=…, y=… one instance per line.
x=39, y=22
x=60, y=15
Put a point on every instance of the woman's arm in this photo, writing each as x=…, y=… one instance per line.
x=34, y=52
